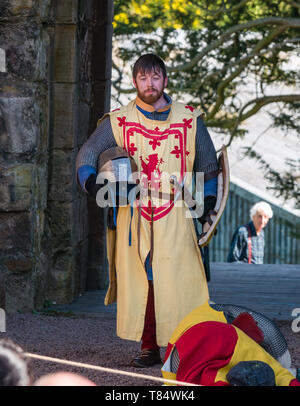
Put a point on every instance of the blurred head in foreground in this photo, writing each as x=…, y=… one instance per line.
x=63, y=379
x=15, y=369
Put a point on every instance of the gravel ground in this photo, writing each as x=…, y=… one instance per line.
x=92, y=340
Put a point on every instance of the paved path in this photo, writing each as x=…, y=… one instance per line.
x=273, y=290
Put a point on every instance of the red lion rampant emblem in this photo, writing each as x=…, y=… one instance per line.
x=152, y=164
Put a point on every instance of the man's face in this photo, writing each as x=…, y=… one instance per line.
x=150, y=86
x=260, y=220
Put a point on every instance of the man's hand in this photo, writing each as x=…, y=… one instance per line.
x=119, y=195
x=91, y=186
x=209, y=204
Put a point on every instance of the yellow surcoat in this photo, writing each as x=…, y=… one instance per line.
x=160, y=149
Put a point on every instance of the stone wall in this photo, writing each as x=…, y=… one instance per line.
x=52, y=90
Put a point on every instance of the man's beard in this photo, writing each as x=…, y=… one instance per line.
x=150, y=98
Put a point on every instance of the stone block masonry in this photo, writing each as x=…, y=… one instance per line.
x=24, y=138
x=49, y=103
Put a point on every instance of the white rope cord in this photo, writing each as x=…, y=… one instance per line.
x=109, y=370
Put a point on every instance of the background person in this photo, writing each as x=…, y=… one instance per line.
x=248, y=241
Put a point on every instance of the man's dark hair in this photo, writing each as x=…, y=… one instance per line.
x=15, y=367
x=147, y=63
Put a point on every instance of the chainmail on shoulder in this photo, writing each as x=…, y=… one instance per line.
x=205, y=156
x=100, y=140
x=274, y=342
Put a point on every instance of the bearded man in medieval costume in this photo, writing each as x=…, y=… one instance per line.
x=155, y=266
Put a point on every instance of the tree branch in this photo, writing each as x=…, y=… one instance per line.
x=219, y=72
x=115, y=83
x=287, y=22
x=260, y=45
x=293, y=3
x=258, y=104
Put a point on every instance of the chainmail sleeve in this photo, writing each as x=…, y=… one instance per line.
x=100, y=140
x=205, y=156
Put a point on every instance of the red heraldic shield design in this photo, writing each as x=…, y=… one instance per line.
x=162, y=153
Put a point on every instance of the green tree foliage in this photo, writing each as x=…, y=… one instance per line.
x=215, y=49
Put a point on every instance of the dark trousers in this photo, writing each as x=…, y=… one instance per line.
x=149, y=333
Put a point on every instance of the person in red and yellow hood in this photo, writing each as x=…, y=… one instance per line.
x=207, y=350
